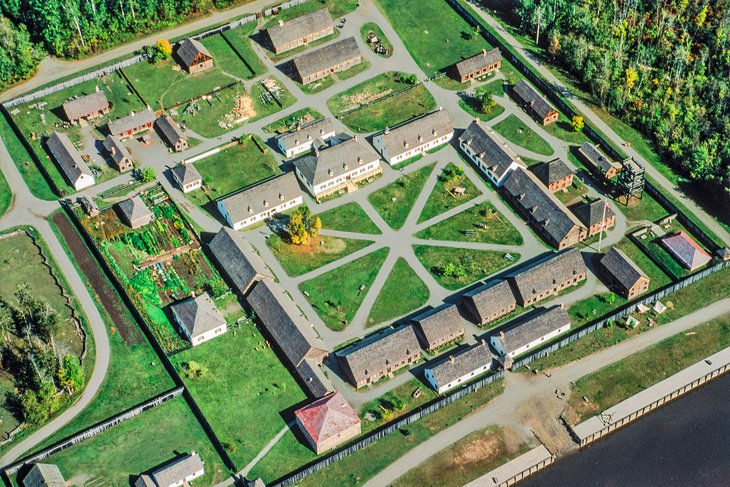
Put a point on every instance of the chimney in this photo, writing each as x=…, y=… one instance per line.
x=477, y=120
x=281, y=23
x=501, y=335
x=354, y=136
x=316, y=152
x=386, y=131
x=420, y=138
x=97, y=88
x=440, y=108
x=484, y=342
x=484, y=52
x=451, y=359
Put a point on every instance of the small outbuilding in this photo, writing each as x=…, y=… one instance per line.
x=478, y=65
x=69, y=161
x=686, y=251
x=598, y=162
x=595, y=215
x=44, y=475
x=531, y=100
x=555, y=174
x=328, y=422
x=623, y=274
x=187, y=177
x=193, y=56
x=199, y=319
x=134, y=212
x=86, y=107
x=171, y=133
x=118, y=153
x=178, y=472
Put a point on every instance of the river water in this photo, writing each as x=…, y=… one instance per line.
x=686, y=443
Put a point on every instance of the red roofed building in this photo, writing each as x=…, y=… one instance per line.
x=686, y=251
x=327, y=422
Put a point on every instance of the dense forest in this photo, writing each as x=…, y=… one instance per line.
x=30, y=29
x=661, y=65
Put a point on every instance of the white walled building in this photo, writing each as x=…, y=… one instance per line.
x=489, y=152
x=69, y=161
x=199, y=319
x=524, y=335
x=414, y=137
x=339, y=166
x=303, y=138
x=187, y=177
x=176, y=473
x=459, y=368
x=259, y=202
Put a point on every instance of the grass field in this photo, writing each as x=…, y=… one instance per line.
x=647, y=209
x=233, y=169
x=573, y=193
x=488, y=224
x=338, y=294
x=24, y=162
x=337, y=8
x=472, y=107
x=297, y=260
x=395, y=201
x=616, y=382
x=442, y=198
x=390, y=112
x=290, y=121
x=477, y=264
x=512, y=129
x=657, y=276
x=374, y=29
x=226, y=57
x=239, y=38
x=349, y=217
x=654, y=247
x=402, y=293
x=140, y=444
x=6, y=195
x=367, y=91
x=243, y=390
x=434, y=34
x=563, y=129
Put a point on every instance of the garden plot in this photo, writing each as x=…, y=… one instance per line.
x=159, y=263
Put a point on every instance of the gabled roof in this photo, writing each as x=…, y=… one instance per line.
x=535, y=326
x=134, y=208
x=489, y=148
x=375, y=355
x=552, y=171
x=67, y=157
x=178, y=469
x=131, y=121
x=170, y=129
x=591, y=213
x=312, y=378
x=261, y=197
x=283, y=321
x=240, y=262
x=623, y=269
x=491, y=297
x=186, y=173
x=327, y=417
x=44, y=475
x=299, y=27
x=336, y=160
x=460, y=364
x=543, y=206
x=85, y=105
x=545, y=275
x=439, y=323
x=189, y=49
x=596, y=157
x=416, y=131
x=529, y=96
x=325, y=57
x=309, y=132
x=478, y=61
x=686, y=250
x=198, y=315
x=116, y=149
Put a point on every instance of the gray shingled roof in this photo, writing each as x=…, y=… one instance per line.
x=591, y=213
x=376, y=355
x=325, y=57
x=311, y=380
x=44, y=475
x=529, y=96
x=416, y=131
x=460, y=364
x=336, y=160
x=116, y=149
x=623, y=269
x=283, y=321
x=262, y=196
x=85, y=105
x=238, y=259
x=198, y=315
x=188, y=49
x=170, y=129
x=552, y=171
x=131, y=121
x=543, y=206
x=478, y=61
x=490, y=297
x=67, y=157
x=178, y=469
x=439, y=323
x=186, y=173
x=489, y=148
x=525, y=330
x=308, y=132
x=545, y=275
x=299, y=27
x=134, y=208
x=596, y=157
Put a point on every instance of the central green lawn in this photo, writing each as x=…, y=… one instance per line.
x=338, y=294
x=443, y=198
x=477, y=264
x=390, y=112
x=434, y=34
x=395, y=201
x=140, y=444
x=6, y=196
x=243, y=390
x=298, y=260
x=512, y=129
x=233, y=169
x=489, y=226
x=402, y=293
x=349, y=217
x=226, y=58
